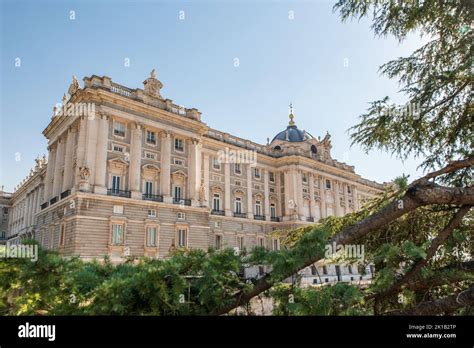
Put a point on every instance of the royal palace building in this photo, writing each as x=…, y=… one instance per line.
x=130, y=173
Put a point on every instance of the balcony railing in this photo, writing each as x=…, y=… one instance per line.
x=65, y=194
x=53, y=200
x=217, y=212
x=44, y=205
x=275, y=219
x=150, y=197
x=240, y=215
x=181, y=201
x=259, y=217
x=310, y=219
x=119, y=193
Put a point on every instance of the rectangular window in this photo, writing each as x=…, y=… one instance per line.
x=238, y=205
x=177, y=193
x=237, y=183
x=150, y=137
x=328, y=184
x=258, y=208
x=349, y=190
x=349, y=268
x=182, y=238
x=325, y=270
x=261, y=242
x=275, y=244
x=216, y=164
x=62, y=235
x=237, y=168
x=271, y=176
x=304, y=178
x=149, y=155
x=148, y=188
x=256, y=173
x=151, y=236
x=240, y=243
x=216, y=202
x=218, y=242
x=178, y=162
x=151, y=213
x=181, y=216
x=117, y=234
x=118, y=209
x=273, y=210
x=117, y=148
x=119, y=129
x=179, y=145
x=115, y=182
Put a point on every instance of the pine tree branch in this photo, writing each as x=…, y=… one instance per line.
x=447, y=304
x=447, y=275
x=422, y=194
x=439, y=240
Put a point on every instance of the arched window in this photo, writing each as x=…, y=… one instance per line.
x=314, y=150
x=277, y=148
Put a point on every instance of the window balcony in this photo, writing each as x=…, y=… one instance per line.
x=259, y=217
x=119, y=193
x=44, y=205
x=310, y=219
x=218, y=212
x=240, y=215
x=150, y=197
x=275, y=219
x=53, y=200
x=65, y=194
x=182, y=201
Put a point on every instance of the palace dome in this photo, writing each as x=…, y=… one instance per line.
x=293, y=135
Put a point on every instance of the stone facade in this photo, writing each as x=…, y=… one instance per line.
x=130, y=173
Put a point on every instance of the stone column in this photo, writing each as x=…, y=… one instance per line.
x=68, y=175
x=337, y=201
x=101, y=155
x=299, y=193
x=58, y=168
x=266, y=189
x=206, y=180
x=249, y=192
x=278, y=193
x=346, y=196
x=355, y=198
x=288, y=198
x=48, y=188
x=194, y=170
x=227, y=193
x=26, y=215
x=81, y=149
x=165, y=178
x=311, y=197
x=35, y=205
x=322, y=192
x=91, y=147
x=135, y=161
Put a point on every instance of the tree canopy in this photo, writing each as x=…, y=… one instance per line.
x=419, y=235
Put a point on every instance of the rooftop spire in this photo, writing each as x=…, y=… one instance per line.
x=291, y=123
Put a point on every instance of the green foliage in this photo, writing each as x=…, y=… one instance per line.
x=339, y=299
x=436, y=79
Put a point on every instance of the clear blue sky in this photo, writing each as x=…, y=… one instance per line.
x=281, y=61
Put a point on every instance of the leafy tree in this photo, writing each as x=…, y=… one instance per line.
x=419, y=235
